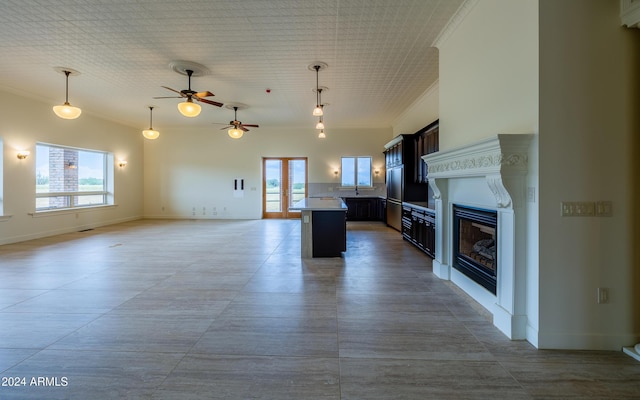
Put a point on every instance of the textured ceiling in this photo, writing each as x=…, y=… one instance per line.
x=379, y=55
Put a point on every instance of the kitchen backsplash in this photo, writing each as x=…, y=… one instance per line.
x=334, y=190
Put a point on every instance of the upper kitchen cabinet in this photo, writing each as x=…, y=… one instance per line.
x=401, y=158
x=400, y=152
x=394, y=152
x=426, y=142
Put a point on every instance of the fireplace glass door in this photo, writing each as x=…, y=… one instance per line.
x=475, y=245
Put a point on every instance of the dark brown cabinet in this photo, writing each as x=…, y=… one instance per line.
x=365, y=208
x=426, y=142
x=407, y=172
x=418, y=227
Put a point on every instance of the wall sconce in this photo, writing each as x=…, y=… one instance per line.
x=122, y=163
x=23, y=154
x=72, y=165
x=377, y=172
x=336, y=172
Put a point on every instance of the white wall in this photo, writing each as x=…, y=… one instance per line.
x=25, y=122
x=195, y=168
x=589, y=101
x=421, y=113
x=489, y=85
x=489, y=73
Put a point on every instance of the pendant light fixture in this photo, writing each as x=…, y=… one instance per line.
x=150, y=133
x=320, y=124
x=66, y=110
x=317, y=112
x=321, y=135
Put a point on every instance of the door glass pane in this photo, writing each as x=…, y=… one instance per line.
x=297, y=180
x=273, y=181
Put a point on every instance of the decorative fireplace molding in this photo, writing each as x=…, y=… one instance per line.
x=500, y=161
x=493, y=158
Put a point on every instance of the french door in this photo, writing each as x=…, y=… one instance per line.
x=284, y=182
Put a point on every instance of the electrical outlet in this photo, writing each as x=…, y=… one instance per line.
x=603, y=295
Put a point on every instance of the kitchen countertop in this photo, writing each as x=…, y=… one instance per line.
x=319, y=204
x=420, y=204
x=363, y=197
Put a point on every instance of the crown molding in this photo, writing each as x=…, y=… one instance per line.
x=630, y=13
x=454, y=22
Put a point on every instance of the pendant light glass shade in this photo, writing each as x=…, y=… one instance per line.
x=150, y=133
x=321, y=135
x=320, y=124
x=189, y=108
x=235, y=133
x=317, y=112
x=67, y=111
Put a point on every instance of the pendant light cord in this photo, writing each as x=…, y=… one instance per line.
x=66, y=97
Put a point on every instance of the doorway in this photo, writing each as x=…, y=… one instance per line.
x=284, y=182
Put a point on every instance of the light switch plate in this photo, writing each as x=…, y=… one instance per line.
x=604, y=208
x=578, y=209
x=566, y=209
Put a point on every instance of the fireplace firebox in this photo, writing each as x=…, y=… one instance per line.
x=475, y=245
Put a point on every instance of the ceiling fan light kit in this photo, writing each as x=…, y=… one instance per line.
x=235, y=133
x=66, y=110
x=189, y=108
x=236, y=128
x=150, y=133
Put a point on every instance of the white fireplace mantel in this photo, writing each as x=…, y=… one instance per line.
x=501, y=163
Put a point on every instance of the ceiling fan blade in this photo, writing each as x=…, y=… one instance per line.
x=242, y=128
x=173, y=90
x=213, y=103
x=168, y=97
x=226, y=127
x=204, y=94
x=253, y=126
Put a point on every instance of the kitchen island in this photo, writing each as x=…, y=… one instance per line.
x=323, y=226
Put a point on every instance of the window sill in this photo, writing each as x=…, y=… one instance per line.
x=4, y=218
x=65, y=211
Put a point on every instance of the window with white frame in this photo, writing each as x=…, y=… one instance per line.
x=68, y=177
x=356, y=171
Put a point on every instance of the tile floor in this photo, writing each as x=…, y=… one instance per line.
x=228, y=310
